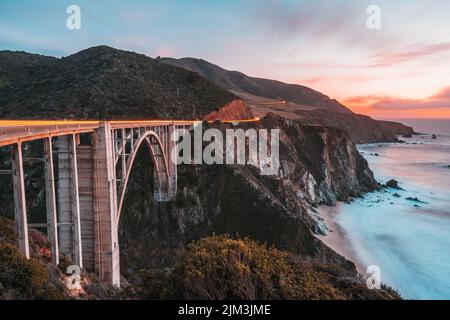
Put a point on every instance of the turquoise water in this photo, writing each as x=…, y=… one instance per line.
x=409, y=241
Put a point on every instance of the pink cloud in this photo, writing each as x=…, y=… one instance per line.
x=411, y=53
x=440, y=100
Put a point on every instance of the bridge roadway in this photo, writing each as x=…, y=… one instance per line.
x=86, y=188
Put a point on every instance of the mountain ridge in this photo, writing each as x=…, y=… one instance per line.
x=297, y=102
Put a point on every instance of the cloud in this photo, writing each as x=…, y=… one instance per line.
x=440, y=100
x=341, y=25
x=385, y=58
x=414, y=52
x=284, y=19
x=326, y=79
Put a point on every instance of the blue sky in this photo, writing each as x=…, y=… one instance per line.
x=322, y=44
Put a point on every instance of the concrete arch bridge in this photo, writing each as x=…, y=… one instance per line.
x=84, y=203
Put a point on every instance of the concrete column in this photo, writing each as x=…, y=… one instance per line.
x=159, y=174
x=172, y=161
x=64, y=196
x=124, y=154
x=132, y=141
x=107, y=262
x=85, y=178
x=69, y=225
x=77, y=247
x=50, y=196
x=20, y=206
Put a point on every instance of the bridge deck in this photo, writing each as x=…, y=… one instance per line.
x=14, y=131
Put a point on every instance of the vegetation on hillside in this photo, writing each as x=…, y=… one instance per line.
x=21, y=278
x=103, y=83
x=221, y=267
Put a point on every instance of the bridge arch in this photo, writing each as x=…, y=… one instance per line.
x=161, y=169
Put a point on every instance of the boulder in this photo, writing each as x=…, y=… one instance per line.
x=415, y=200
x=393, y=184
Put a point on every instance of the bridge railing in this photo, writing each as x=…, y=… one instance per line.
x=11, y=134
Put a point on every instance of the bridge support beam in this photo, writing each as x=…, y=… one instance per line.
x=52, y=218
x=20, y=206
x=107, y=262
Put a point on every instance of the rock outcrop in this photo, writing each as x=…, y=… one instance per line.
x=361, y=128
x=235, y=110
x=392, y=184
x=396, y=128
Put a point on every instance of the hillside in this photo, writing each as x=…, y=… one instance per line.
x=240, y=83
x=294, y=102
x=101, y=83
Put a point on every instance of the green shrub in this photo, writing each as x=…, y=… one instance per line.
x=26, y=279
x=220, y=267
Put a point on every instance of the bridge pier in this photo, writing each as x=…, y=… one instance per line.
x=171, y=161
x=85, y=177
x=20, y=205
x=50, y=198
x=69, y=226
x=107, y=264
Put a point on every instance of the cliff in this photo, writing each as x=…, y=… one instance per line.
x=361, y=128
x=396, y=128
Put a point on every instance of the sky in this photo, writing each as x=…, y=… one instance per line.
x=401, y=70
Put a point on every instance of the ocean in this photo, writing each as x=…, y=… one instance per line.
x=408, y=239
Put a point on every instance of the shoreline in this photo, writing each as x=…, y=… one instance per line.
x=337, y=239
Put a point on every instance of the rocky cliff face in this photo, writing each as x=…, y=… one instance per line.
x=318, y=165
x=396, y=128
